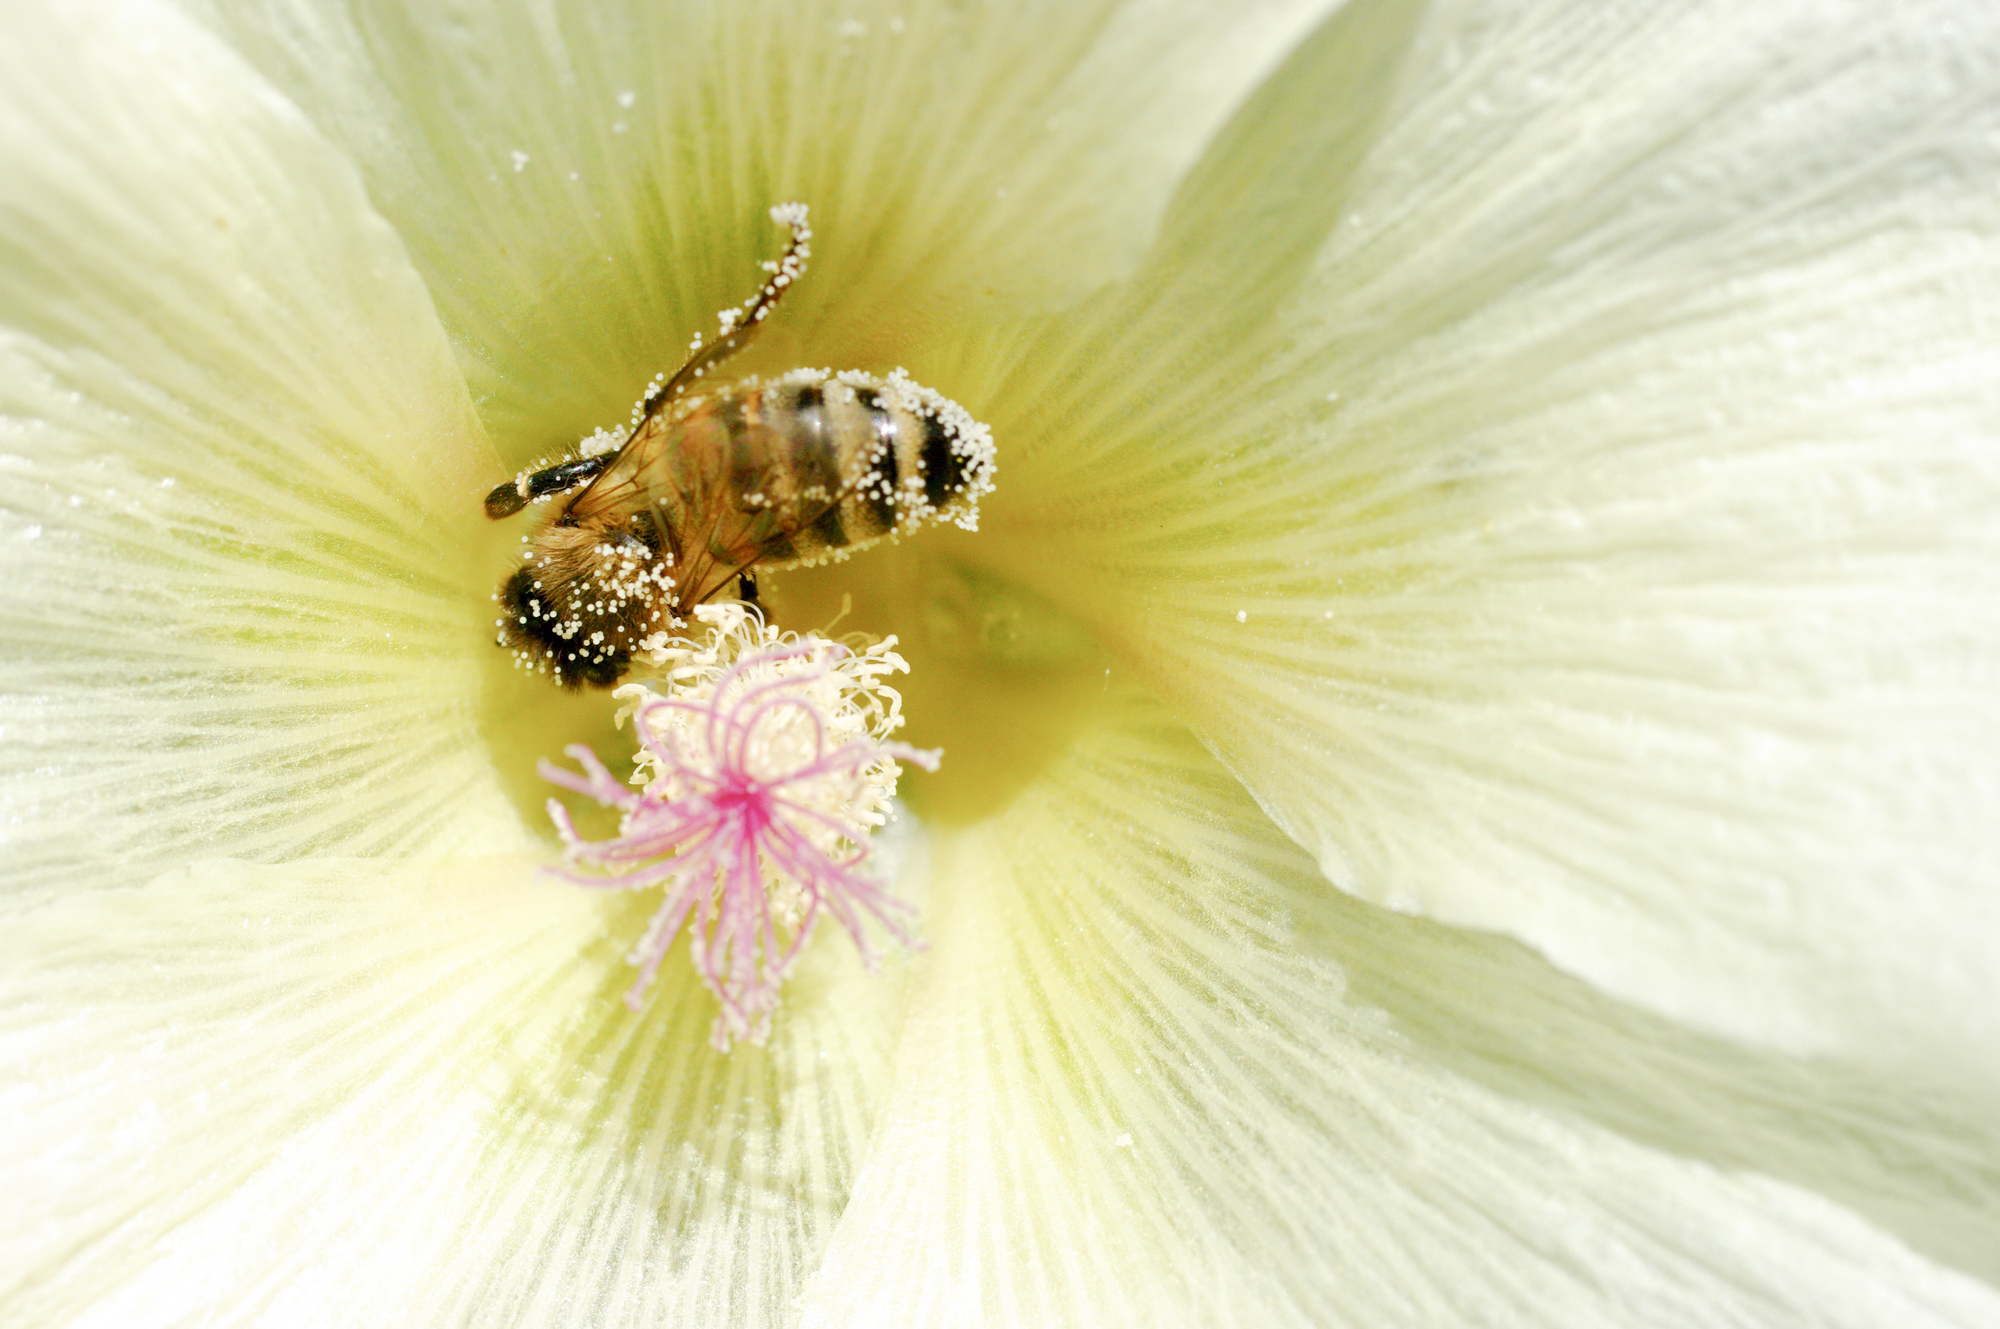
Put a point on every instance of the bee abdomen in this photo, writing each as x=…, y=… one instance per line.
x=843, y=460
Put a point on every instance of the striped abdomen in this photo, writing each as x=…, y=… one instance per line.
x=828, y=463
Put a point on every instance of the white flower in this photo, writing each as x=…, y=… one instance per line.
x=1531, y=465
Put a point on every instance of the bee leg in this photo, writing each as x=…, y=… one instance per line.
x=509, y=498
x=746, y=588
x=739, y=326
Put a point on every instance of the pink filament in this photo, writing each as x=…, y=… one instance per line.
x=712, y=844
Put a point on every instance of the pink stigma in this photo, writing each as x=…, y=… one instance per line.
x=755, y=822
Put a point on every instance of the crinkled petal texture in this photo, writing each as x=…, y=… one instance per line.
x=1115, y=1092
x=1576, y=516
x=353, y=1092
x=1224, y=1133
x=237, y=451
x=292, y=1037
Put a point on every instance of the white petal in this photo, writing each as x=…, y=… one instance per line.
x=1589, y=532
x=347, y=1093
x=242, y=476
x=585, y=189
x=1123, y=1097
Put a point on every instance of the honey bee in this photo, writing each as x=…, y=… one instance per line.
x=785, y=472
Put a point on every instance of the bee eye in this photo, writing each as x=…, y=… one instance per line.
x=514, y=593
x=607, y=669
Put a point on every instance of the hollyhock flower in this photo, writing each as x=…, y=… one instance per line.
x=1468, y=722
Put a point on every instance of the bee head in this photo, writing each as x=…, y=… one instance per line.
x=533, y=626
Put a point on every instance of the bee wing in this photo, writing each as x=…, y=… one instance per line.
x=722, y=495
x=627, y=484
